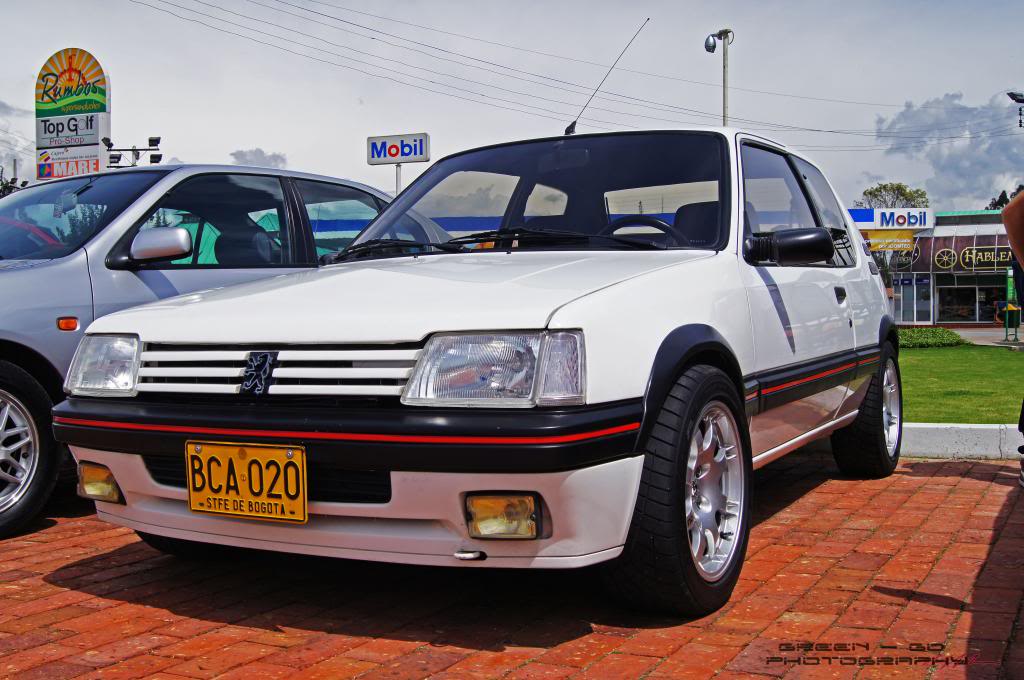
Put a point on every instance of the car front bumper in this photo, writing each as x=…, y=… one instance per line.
x=581, y=462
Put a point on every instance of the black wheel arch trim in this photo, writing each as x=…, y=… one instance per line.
x=681, y=347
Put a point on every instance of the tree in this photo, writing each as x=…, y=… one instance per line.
x=1002, y=200
x=892, y=195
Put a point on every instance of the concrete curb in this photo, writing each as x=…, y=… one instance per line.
x=960, y=440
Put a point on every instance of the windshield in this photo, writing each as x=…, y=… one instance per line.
x=55, y=219
x=664, y=188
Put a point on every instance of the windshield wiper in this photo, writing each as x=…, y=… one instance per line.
x=385, y=243
x=552, y=235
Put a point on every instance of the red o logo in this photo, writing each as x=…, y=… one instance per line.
x=901, y=219
x=393, y=150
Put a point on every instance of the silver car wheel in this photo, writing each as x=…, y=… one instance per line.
x=714, y=491
x=19, y=450
x=892, y=408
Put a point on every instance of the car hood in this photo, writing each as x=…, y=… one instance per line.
x=391, y=300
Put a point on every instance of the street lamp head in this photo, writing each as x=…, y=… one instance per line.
x=710, y=43
x=1017, y=97
x=107, y=143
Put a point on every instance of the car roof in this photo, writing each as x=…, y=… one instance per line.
x=727, y=132
x=189, y=169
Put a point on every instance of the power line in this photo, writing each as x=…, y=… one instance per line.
x=905, y=147
x=372, y=65
x=347, y=67
x=553, y=55
x=631, y=99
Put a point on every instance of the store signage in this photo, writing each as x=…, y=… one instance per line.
x=904, y=218
x=390, y=149
x=72, y=103
x=974, y=258
x=889, y=239
x=64, y=131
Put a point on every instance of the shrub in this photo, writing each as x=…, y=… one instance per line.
x=929, y=336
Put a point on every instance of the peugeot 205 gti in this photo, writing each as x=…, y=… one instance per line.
x=612, y=332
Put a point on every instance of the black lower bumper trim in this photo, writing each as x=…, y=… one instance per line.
x=400, y=438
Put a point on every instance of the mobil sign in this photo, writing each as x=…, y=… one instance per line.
x=391, y=149
x=904, y=218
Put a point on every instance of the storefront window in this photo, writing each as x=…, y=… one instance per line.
x=957, y=304
x=987, y=299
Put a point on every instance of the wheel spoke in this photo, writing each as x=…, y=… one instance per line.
x=5, y=414
x=8, y=477
x=16, y=445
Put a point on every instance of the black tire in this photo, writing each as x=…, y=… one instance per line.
x=188, y=550
x=655, y=571
x=26, y=391
x=860, y=449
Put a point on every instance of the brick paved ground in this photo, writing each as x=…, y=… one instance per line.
x=934, y=554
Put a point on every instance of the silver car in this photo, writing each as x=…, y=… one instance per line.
x=73, y=250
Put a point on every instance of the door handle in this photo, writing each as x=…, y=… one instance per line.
x=840, y=294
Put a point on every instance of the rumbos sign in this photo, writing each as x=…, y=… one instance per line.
x=72, y=102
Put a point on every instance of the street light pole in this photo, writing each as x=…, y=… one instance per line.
x=725, y=36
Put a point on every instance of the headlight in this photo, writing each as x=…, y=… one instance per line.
x=104, y=366
x=499, y=370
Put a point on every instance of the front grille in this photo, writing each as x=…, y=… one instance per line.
x=326, y=483
x=297, y=371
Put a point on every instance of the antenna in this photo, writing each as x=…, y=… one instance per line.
x=572, y=126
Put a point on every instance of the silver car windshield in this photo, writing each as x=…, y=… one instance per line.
x=664, y=189
x=55, y=219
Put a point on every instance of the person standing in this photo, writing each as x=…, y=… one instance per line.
x=1013, y=220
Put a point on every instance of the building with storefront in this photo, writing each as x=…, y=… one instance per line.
x=945, y=267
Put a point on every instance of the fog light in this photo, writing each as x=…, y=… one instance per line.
x=96, y=482
x=512, y=516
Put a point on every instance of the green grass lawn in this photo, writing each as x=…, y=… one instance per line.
x=967, y=384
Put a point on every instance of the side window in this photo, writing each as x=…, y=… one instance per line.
x=337, y=213
x=236, y=221
x=545, y=201
x=774, y=199
x=829, y=212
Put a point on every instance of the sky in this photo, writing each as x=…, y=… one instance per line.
x=922, y=83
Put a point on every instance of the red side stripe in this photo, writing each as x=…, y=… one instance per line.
x=350, y=436
x=816, y=376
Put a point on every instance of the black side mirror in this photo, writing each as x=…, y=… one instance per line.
x=790, y=247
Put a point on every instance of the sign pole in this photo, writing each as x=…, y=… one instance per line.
x=398, y=178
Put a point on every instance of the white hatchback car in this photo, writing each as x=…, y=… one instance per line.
x=615, y=330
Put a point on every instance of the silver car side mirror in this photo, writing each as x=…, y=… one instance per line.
x=163, y=243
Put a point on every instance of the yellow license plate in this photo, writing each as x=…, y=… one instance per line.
x=257, y=481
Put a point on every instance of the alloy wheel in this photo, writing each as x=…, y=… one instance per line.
x=892, y=408
x=714, y=491
x=19, y=450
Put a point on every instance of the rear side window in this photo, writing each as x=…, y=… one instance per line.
x=829, y=212
x=236, y=221
x=774, y=199
x=337, y=213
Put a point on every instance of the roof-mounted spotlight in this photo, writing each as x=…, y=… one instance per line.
x=155, y=158
x=154, y=141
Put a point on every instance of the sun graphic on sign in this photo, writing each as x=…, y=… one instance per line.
x=70, y=75
x=945, y=258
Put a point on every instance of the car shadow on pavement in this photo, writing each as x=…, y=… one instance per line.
x=462, y=607
x=288, y=597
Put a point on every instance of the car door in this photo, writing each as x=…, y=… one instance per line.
x=865, y=293
x=336, y=213
x=800, y=315
x=242, y=226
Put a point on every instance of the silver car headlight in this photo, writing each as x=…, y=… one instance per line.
x=544, y=368
x=104, y=366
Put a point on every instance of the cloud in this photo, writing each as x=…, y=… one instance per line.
x=260, y=157
x=8, y=110
x=973, y=151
